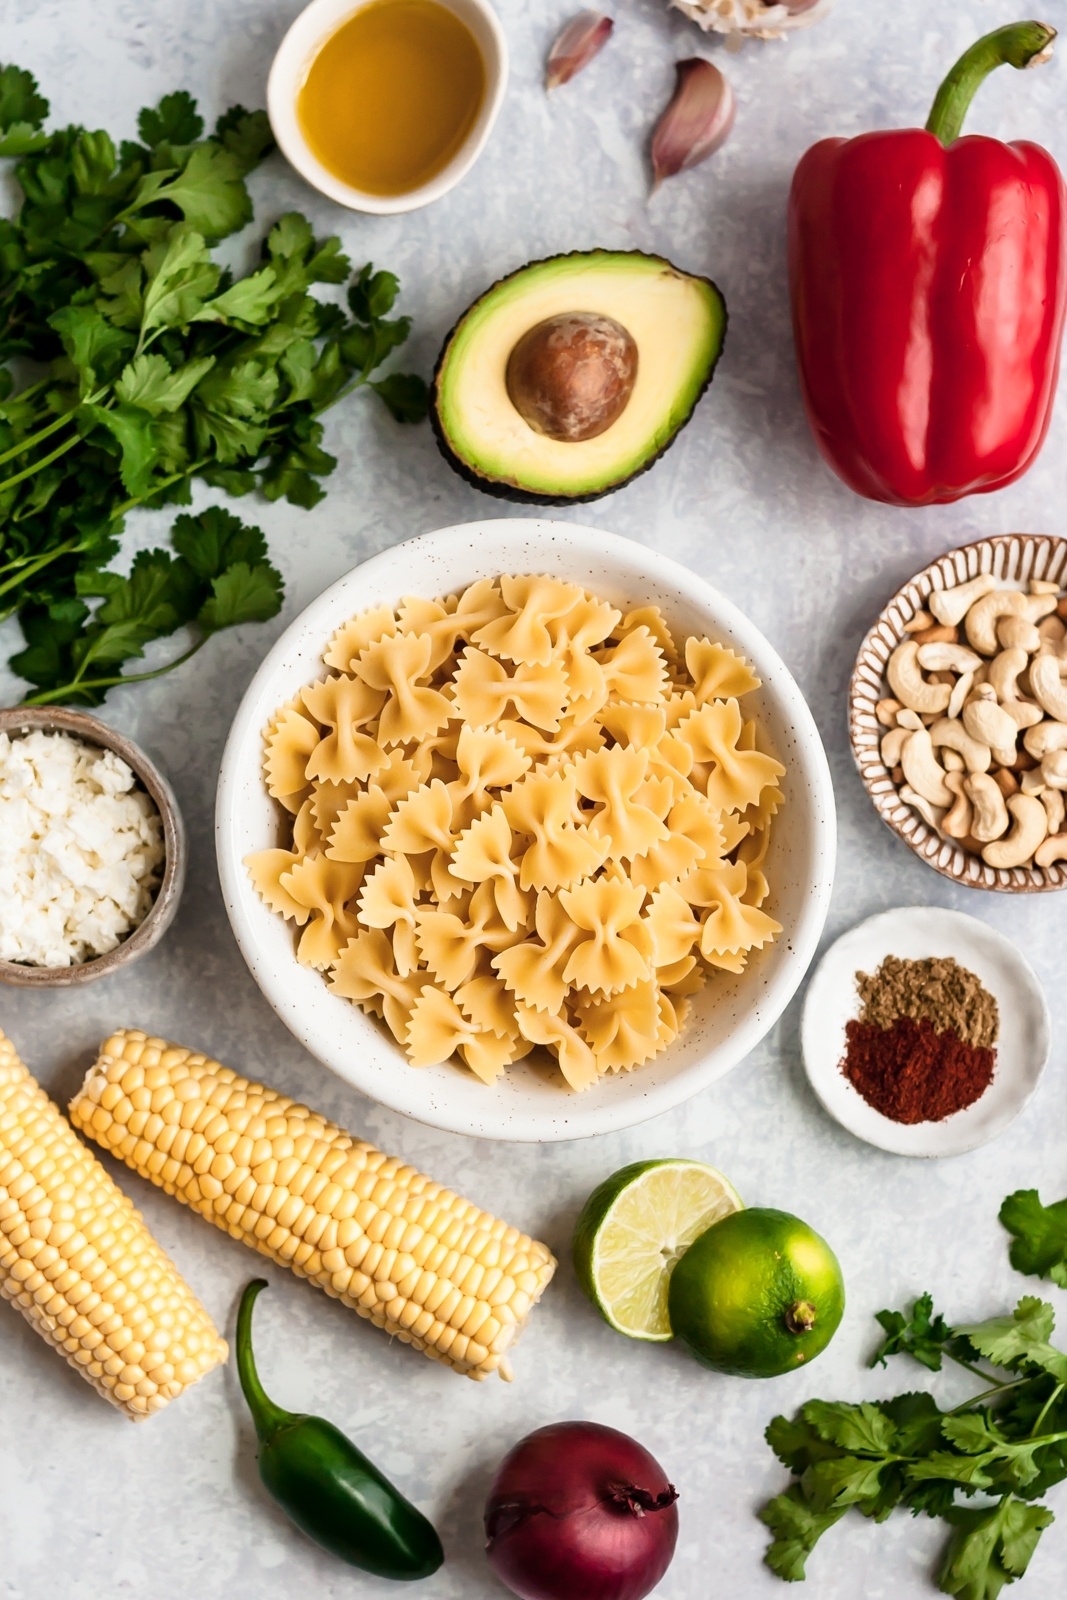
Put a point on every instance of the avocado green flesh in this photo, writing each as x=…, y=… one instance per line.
x=678, y=323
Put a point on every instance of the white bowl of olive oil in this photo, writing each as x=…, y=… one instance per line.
x=384, y=105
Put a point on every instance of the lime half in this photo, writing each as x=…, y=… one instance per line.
x=634, y=1228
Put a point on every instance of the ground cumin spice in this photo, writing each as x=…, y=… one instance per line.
x=922, y=1046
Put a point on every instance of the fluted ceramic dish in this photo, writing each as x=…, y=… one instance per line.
x=161, y=913
x=529, y=1102
x=1013, y=558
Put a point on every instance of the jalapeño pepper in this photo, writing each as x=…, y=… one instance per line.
x=327, y=1486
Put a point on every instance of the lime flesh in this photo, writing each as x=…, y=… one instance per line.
x=758, y=1294
x=632, y=1231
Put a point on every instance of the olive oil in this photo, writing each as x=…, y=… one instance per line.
x=392, y=95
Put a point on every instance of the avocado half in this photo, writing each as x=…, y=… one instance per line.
x=676, y=319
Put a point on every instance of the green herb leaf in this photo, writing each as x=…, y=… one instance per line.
x=150, y=384
x=796, y=1528
x=215, y=539
x=922, y=1335
x=406, y=396
x=1020, y=1340
x=174, y=121
x=848, y=1481
x=209, y=191
x=245, y=135
x=242, y=594
x=991, y=1547
x=1039, y=1245
x=180, y=277
x=20, y=100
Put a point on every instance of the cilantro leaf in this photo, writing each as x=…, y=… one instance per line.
x=213, y=540
x=797, y=1527
x=1039, y=1243
x=132, y=430
x=250, y=300
x=21, y=103
x=242, y=594
x=245, y=135
x=864, y=1428
x=149, y=383
x=848, y=1481
x=406, y=396
x=991, y=1548
x=96, y=348
x=1020, y=1340
x=174, y=121
x=180, y=277
x=797, y=1444
x=209, y=191
x=922, y=1335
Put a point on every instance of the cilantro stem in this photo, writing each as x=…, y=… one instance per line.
x=1057, y=1391
x=45, y=461
x=46, y=697
x=987, y=1394
x=29, y=565
x=28, y=443
x=977, y=1372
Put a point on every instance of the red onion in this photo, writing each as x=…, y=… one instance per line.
x=580, y=1512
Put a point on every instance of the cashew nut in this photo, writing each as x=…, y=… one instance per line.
x=1054, y=849
x=1053, y=768
x=1039, y=606
x=1044, y=737
x=1033, y=782
x=1006, y=781
x=951, y=605
x=919, y=622
x=961, y=690
x=922, y=770
x=990, y=810
x=952, y=761
x=991, y=725
x=1055, y=809
x=886, y=712
x=1029, y=828
x=1017, y=633
x=930, y=814
x=1047, y=687
x=909, y=685
x=1043, y=586
x=957, y=822
x=909, y=719
x=1005, y=669
x=936, y=635
x=1024, y=713
x=1051, y=629
x=955, y=736
x=982, y=617
x=893, y=744
x=948, y=658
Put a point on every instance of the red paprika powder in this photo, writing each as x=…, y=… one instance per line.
x=911, y=1072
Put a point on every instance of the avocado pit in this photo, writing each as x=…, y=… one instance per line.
x=571, y=376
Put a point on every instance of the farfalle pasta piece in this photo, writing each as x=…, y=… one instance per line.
x=353, y=636
x=738, y=776
x=571, y=739
x=731, y=926
x=395, y=667
x=672, y=926
x=289, y=742
x=652, y=618
x=365, y=971
x=357, y=833
x=544, y=808
x=449, y=943
x=615, y=954
x=488, y=759
x=345, y=754
x=717, y=673
x=522, y=634
x=484, y=689
x=696, y=836
x=610, y=778
x=483, y=855
x=574, y=634
x=533, y=970
x=490, y=1006
x=388, y=897
x=627, y=1030
x=555, y=1031
x=322, y=889
x=438, y=1029
x=634, y=669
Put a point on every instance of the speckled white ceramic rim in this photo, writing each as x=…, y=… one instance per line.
x=1014, y=558
x=917, y=933
x=732, y=1014
x=290, y=67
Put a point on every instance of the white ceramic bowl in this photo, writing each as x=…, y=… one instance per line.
x=916, y=933
x=295, y=54
x=729, y=1017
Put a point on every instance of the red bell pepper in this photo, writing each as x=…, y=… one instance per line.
x=928, y=276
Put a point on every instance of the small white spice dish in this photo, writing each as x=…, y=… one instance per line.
x=917, y=933
x=730, y=1016
x=23, y=719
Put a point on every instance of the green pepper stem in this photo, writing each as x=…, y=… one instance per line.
x=1020, y=44
x=267, y=1417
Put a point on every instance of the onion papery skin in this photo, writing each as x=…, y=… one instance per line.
x=578, y=1511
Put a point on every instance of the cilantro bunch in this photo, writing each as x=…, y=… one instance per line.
x=132, y=363
x=1007, y=1445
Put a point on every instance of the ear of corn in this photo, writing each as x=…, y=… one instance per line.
x=417, y=1260
x=79, y=1263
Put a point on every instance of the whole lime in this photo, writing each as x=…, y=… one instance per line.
x=758, y=1294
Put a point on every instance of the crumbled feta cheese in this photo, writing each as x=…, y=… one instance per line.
x=80, y=850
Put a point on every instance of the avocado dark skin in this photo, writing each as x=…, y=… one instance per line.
x=498, y=487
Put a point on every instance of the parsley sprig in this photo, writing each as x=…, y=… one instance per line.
x=1007, y=1444
x=132, y=363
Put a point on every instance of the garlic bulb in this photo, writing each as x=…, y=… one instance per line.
x=758, y=19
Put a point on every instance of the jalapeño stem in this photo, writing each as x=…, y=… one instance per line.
x=1020, y=44
x=267, y=1417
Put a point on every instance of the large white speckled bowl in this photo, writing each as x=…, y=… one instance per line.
x=729, y=1017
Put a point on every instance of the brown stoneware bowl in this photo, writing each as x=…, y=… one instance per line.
x=20, y=719
x=1014, y=558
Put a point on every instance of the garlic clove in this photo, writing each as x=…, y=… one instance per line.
x=697, y=120
x=583, y=38
x=759, y=19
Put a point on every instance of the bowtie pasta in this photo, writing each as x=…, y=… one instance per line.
x=519, y=818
